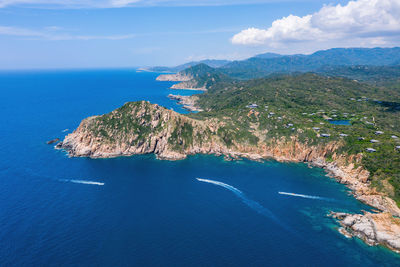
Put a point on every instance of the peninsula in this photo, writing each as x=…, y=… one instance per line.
x=347, y=127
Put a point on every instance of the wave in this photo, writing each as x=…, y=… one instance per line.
x=249, y=202
x=82, y=182
x=303, y=196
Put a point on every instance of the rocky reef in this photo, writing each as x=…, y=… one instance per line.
x=374, y=228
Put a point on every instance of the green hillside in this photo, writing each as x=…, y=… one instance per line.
x=257, y=67
x=299, y=104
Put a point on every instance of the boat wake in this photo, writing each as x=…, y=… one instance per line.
x=251, y=203
x=82, y=182
x=304, y=196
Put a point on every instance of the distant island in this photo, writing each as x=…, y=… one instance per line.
x=337, y=109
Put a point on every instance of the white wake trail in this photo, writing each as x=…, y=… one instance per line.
x=227, y=186
x=251, y=203
x=82, y=182
x=303, y=196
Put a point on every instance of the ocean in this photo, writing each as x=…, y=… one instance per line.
x=140, y=211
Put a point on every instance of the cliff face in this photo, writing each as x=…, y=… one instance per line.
x=135, y=128
x=140, y=127
x=178, y=77
x=189, y=85
x=186, y=81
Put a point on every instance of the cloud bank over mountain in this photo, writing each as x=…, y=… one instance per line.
x=358, y=23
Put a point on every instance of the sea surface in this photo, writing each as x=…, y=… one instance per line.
x=140, y=211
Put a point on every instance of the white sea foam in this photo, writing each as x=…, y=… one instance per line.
x=65, y=130
x=82, y=182
x=303, y=196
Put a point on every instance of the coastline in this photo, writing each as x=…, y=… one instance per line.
x=185, y=82
x=356, y=179
x=344, y=169
x=188, y=102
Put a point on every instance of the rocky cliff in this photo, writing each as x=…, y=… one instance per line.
x=178, y=77
x=186, y=81
x=141, y=127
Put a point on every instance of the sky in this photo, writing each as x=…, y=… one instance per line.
x=47, y=34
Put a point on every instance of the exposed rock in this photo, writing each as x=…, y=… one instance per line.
x=178, y=77
x=189, y=85
x=186, y=81
x=52, y=141
x=188, y=102
x=374, y=228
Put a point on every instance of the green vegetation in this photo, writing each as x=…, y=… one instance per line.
x=263, y=65
x=123, y=121
x=205, y=76
x=182, y=136
x=301, y=105
x=210, y=62
x=376, y=75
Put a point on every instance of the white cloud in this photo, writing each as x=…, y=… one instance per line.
x=52, y=33
x=359, y=22
x=56, y=33
x=127, y=3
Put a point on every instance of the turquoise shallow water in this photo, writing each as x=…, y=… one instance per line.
x=60, y=211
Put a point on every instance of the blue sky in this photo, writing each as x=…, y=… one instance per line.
x=129, y=33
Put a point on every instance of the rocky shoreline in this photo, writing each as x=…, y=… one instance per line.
x=188, y=102
x=96, y=140
x=177, y=77
x=374, y=228
x=186, y=82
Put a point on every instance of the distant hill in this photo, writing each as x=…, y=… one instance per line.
x=201, y=76
x=268, y=55
x=210, y=62
x=257, y=67
x=378, y=75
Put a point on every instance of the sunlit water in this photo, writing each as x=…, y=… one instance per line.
x=60, y=211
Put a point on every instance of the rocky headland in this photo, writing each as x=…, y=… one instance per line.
x=186, y=81
x=142, y=128
x=177, y=77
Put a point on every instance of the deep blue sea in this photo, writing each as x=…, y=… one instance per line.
x=139, y=211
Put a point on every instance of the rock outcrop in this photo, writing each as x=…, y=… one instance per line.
x=188, y=102
x=52, y=141
x=178, y=77
x=186, y=81
x=373, y=228
x=189, y=85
